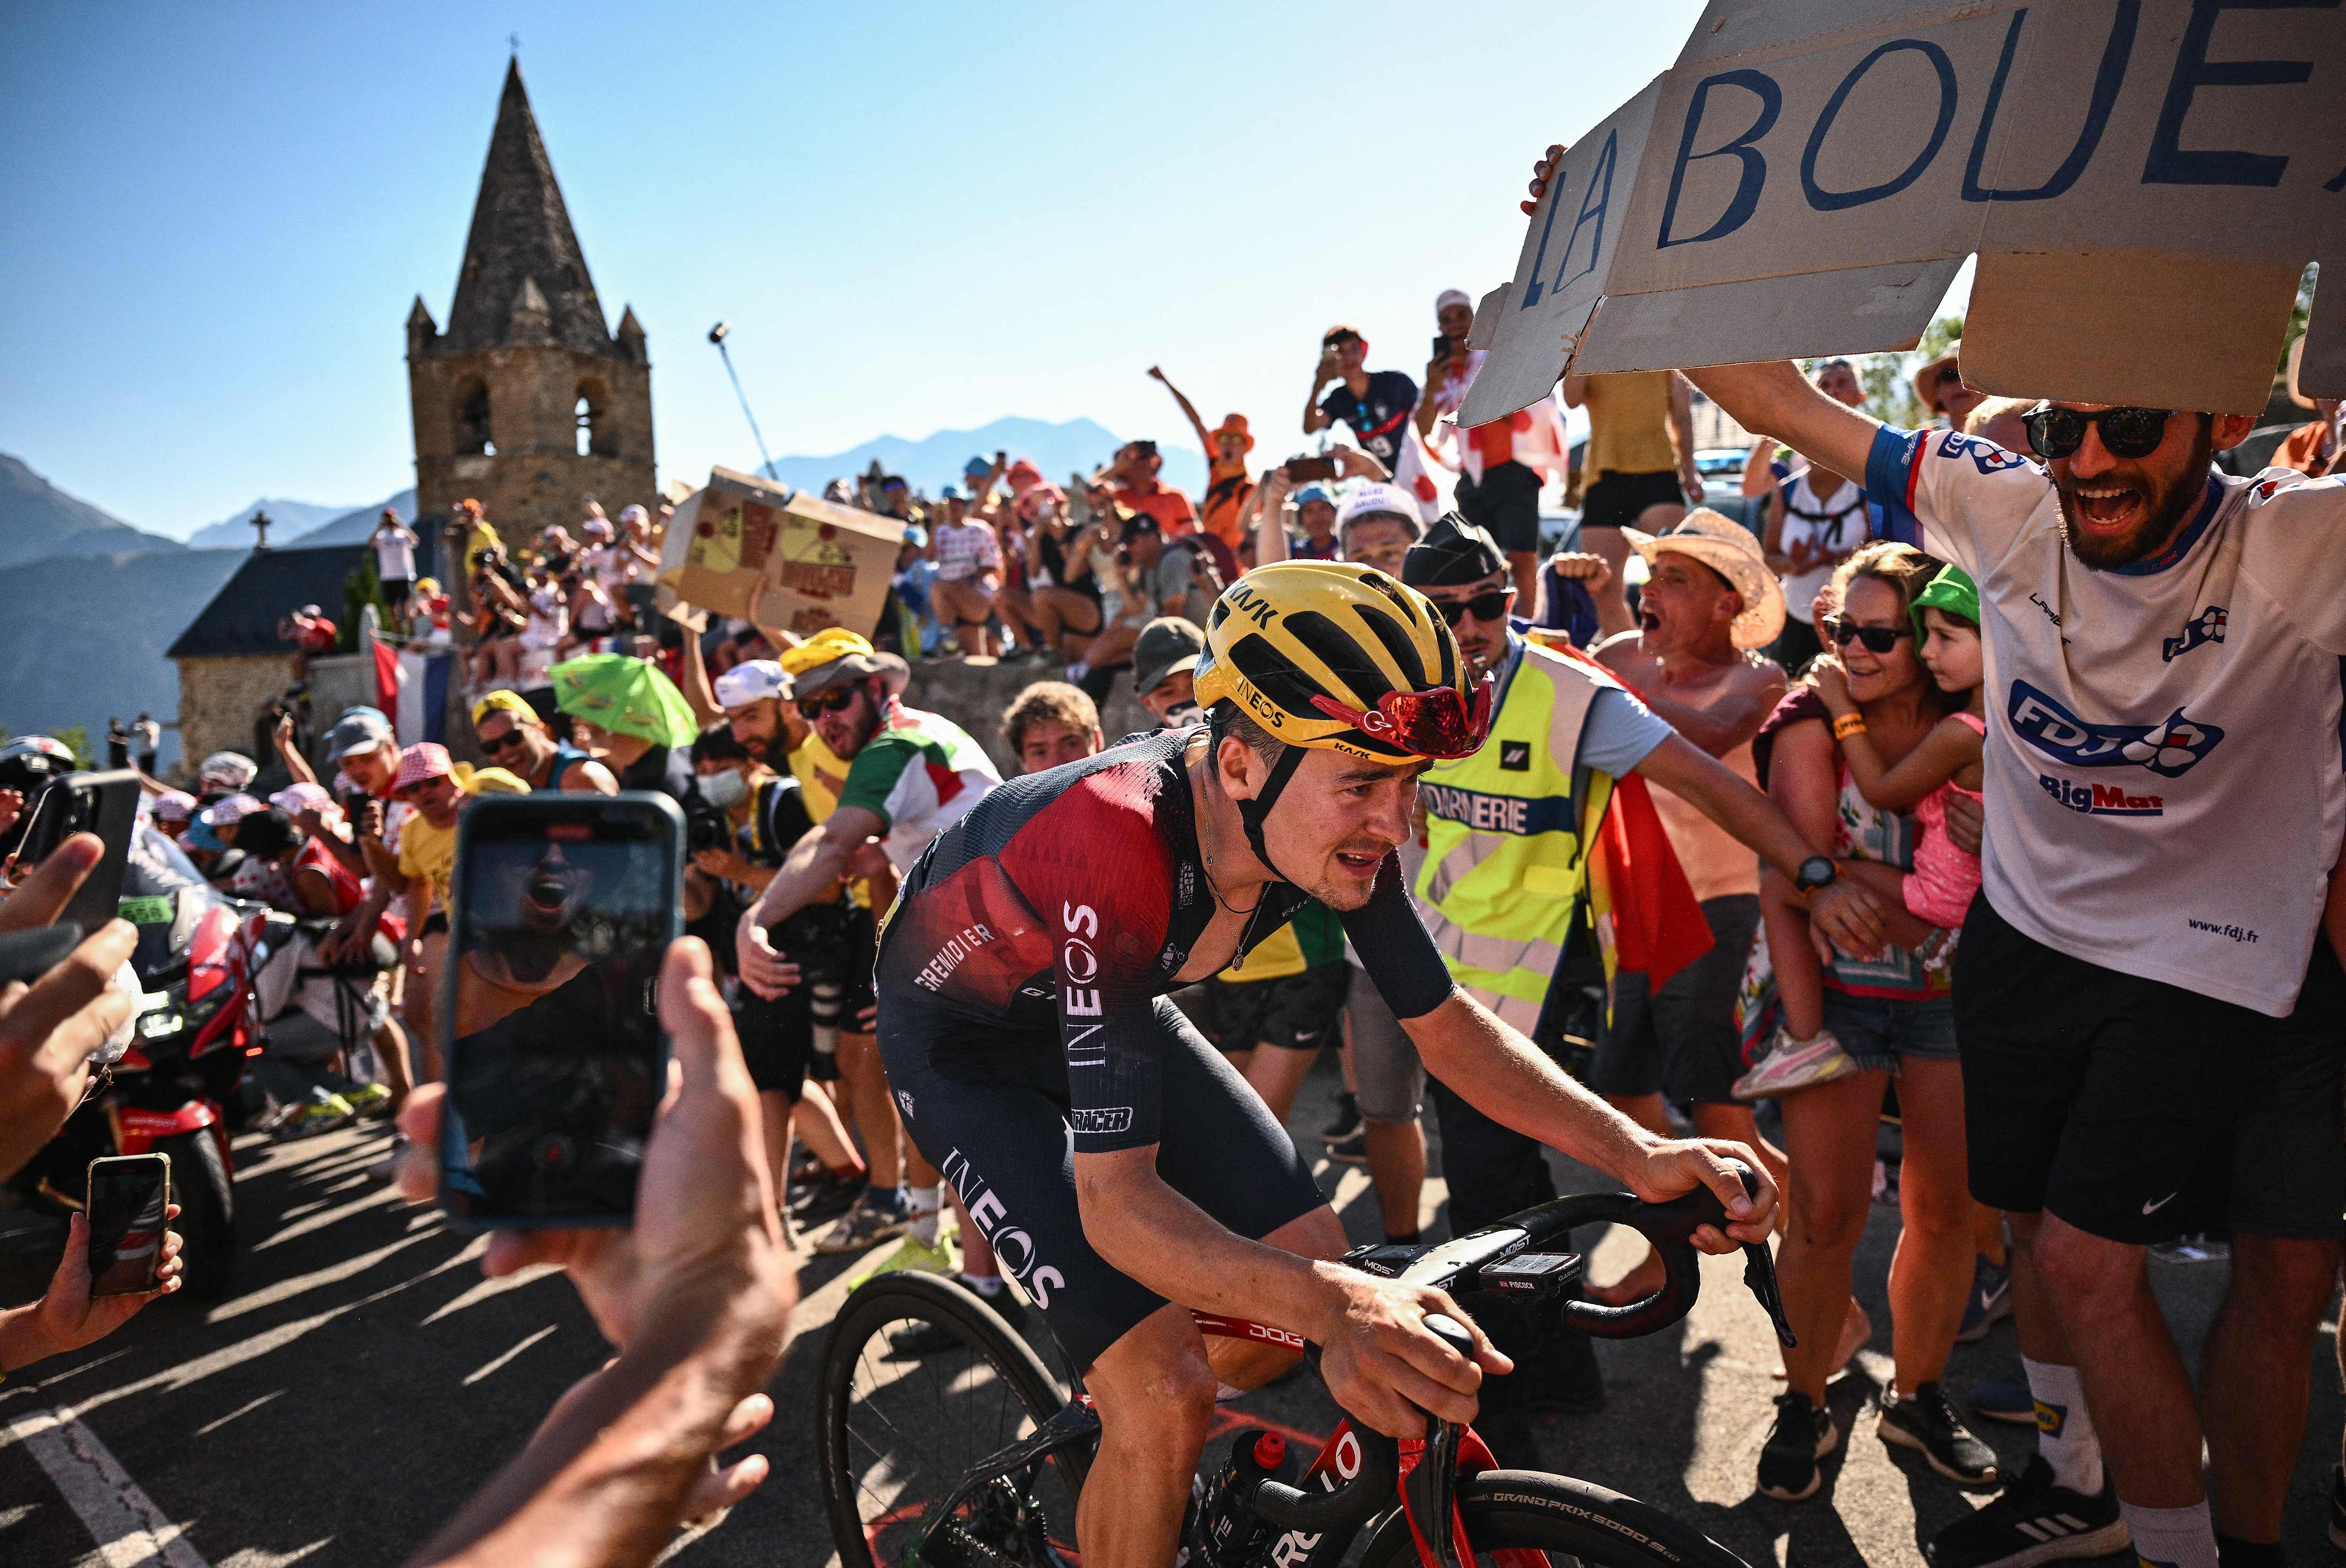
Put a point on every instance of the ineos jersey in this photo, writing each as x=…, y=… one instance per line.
x=2165, y=791
x=1045, y=924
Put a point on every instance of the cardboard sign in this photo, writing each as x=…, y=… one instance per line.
x=784, y=560
x=2142, y=181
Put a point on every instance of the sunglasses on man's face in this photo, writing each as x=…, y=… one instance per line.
x=500, y=742
x=826, y=702
x=1487, y=607
x=2127, y=433
x=1878, y=639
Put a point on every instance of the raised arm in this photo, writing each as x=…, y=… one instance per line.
x=1682, y=434
x=1773, y=398
x=1189, y=411
x=1270, y=521
x=697, y=689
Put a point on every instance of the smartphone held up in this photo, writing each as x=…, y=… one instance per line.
x=565, y=907
x=129, y=1202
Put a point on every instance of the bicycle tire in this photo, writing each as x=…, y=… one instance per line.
x=894, y=1298
x=1529, y=1510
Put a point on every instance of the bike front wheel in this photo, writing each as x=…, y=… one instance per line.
x=1524, y=1519
x=921, y=1382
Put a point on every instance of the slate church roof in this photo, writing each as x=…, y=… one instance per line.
x=271, y=585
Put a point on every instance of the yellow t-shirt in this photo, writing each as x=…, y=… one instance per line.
x=425, y=850
x=1628, y=425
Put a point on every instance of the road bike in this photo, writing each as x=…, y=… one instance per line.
x=966, y=1452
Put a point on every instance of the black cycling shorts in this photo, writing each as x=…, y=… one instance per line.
x=1294, y=1010
x=1618, y=500
x=1507, y=503
x=2105, y=1098
x=1006, y=1148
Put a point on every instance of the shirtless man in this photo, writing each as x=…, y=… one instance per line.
x=1709, y=604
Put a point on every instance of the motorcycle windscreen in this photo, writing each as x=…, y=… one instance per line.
x=565, y=907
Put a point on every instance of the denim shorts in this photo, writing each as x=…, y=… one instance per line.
x=1878, y=1030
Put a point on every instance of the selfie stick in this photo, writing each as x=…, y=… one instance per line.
x=717, y=335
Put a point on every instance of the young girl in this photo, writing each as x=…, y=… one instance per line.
x=1940, y=887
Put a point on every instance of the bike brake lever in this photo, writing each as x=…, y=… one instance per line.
x=1760, y=1278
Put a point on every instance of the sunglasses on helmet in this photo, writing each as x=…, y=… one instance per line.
x=1439, y=724
x=1880, y=639
x=2127, y=433
x=1487, y=607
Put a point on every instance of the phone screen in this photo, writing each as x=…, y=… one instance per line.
x=127, y=1200
x=106, y=804
x=565, y=906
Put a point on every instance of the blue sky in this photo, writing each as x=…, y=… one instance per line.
x=914, y=217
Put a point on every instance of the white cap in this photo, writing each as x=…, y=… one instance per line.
x=229, y=809
x=747, y=682
x=1378, y=499
x=175, y=805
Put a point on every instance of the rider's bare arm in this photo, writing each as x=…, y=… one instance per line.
x=1773, y=398
x=1380, y=1362
x=1499, y=1072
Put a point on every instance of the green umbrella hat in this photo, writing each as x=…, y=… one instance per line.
x=625, y=695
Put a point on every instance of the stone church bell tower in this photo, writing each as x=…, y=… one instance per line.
x=527, y=401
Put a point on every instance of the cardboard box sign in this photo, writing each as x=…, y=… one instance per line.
x=783, y=560
x=2142, y=181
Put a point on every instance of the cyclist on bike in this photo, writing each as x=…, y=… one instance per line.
x=1124, y=1174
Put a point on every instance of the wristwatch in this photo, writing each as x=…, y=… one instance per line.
x=1815, y=873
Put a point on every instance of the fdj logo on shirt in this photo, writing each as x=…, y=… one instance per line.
x=1985, y=455
x=2169, y=750
x=2206, y=626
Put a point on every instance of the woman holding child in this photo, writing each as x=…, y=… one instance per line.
x=1861, y=758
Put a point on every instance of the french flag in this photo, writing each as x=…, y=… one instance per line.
x=412, y=689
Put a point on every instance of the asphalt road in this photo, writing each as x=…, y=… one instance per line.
x=365, y=1378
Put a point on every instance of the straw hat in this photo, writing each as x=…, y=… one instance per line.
x=1728, y=548
x=1926, y=381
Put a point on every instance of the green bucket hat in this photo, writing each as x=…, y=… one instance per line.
x=1952, y=591
x=625, y=695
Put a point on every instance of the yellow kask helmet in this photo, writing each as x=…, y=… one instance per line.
x=1333, y=654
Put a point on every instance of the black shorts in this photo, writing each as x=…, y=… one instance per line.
x=396, y=591
x=1009, y=1153
x=1296, y=1011
x=1507, y=503
x=1682, y=1040
x=2287, y=1176
x=1616, y=500
x=776, y=1039
x=2106, y=1099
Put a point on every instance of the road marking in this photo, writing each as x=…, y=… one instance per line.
x=243, y=1410
x=129, y=1530
x=477, y=1373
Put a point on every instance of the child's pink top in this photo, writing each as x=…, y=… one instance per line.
x=1940, y=887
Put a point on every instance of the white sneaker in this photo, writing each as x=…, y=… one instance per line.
x=1792, y=1064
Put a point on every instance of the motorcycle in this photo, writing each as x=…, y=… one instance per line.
x=176, y=1090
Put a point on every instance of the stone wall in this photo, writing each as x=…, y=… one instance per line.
x=220, y=702
x=975, y=693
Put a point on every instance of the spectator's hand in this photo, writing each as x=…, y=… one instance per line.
x=1832, y=682
x=1674, y=1166
x=69, y=1316
x=1326, y=372
x=11, y=805
x=370, y=822
x=1276, y=486
x=1965, y=820
x=1352, y=462
x=1584, y=566
x=723, y=864
x=1540, y=171
x=1846, y=913
x=282, y=733
x=1691, y=481
x=868, y=859
x=763, y=970
x=48, y=1029
x=705, y=1255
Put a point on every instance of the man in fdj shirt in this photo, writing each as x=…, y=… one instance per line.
x=2164, y=800
x=910, y=776
x=1508, y=832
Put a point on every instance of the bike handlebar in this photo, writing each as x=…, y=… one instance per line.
x=1457, y=1266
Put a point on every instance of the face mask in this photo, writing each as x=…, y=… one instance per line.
x=1183, y=715
x=724, y=791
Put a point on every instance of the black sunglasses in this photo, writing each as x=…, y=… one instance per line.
x=1487, y=607
x=826, y=702
x=2125, y=432
x=1880, y=639
x=500, y=742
